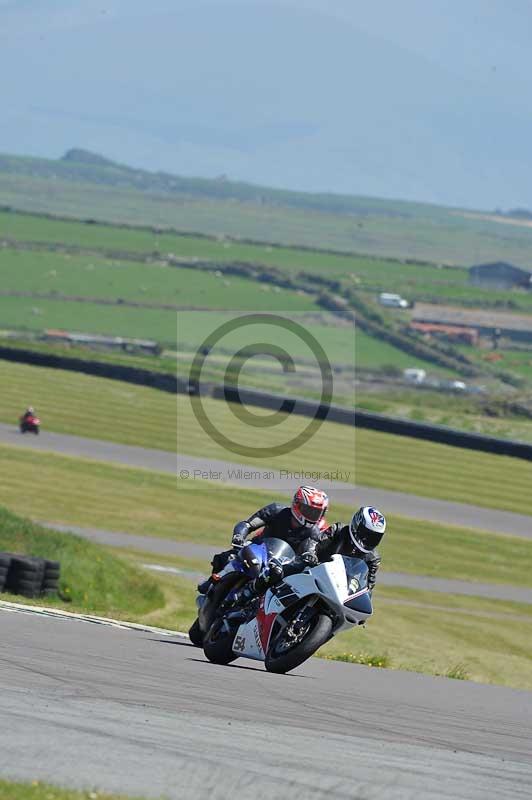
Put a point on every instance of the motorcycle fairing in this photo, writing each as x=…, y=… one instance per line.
x=327, y=581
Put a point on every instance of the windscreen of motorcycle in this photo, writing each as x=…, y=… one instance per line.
x=357, y=574
x=279, y=549
x=357, y=581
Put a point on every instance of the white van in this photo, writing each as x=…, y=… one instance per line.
x=414, y=375
x=392, y=300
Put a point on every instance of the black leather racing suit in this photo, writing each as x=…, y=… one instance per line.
x=276, y=521
x=336, y=539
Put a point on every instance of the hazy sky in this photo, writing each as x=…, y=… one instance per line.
x=427, y=100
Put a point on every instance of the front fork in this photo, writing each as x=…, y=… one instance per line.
x=200, y=600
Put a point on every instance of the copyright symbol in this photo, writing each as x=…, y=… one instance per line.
x=184, y=473
x=287, y=326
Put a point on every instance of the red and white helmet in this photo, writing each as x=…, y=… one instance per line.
x=309, y=505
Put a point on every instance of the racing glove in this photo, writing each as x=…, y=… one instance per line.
x=372, y=578
x=309, y=558
x=275, y=572
x=240, y=531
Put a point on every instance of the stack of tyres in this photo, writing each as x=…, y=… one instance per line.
x=5, y=562
x=52, y=571
x=25, y=576
x=28, y=575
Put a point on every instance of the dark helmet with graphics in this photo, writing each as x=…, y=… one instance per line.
x=367, y=528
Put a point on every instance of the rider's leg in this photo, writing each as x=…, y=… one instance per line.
x=219, y=561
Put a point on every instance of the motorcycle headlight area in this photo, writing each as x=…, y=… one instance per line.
x=361, y=603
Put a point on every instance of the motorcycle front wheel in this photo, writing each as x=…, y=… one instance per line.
x=292, y=646
x=218, y=642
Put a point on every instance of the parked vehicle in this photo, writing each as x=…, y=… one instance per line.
x=292, y=620
x=414, y=375
x=392, y=300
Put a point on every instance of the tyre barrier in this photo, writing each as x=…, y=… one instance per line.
x=28, y=575
x=5, y=561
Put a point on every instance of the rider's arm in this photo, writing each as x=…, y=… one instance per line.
x=373, y=561
x=297, y=565
x=257, y=520
x=308, y=549
x=330, y=541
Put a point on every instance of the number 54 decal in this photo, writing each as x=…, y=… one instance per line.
x=239, y=644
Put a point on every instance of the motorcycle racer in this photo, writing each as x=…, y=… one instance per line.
x=30, y=412
x=359, y=539
x=301, y=525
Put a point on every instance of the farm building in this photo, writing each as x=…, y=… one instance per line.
x=453, y=333
x=500, y=275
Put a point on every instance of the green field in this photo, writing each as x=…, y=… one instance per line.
x=111, y=279
x=67, y=403
x=356, y=224
x=115, y=282
x=415, y=281
x=100, y=285
x=185, y=330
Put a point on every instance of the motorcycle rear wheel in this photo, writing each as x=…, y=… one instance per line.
x=218, y=643
x=282, y=657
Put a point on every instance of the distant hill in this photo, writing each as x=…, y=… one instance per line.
x=79, y=164
x=83, y=184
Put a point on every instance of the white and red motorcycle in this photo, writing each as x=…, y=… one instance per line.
x=289, y=623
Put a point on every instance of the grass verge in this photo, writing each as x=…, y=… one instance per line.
x=37, y=790
x=458, y=637
x=93, y=494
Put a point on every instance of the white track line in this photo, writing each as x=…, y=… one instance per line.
x=115, y=623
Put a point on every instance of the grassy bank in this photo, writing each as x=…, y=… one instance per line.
x=93, y=494
x=92, y=579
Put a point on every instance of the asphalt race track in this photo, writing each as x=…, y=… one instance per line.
x=468, y=516
x=89, y=706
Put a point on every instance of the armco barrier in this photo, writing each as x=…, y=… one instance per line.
x=377, y=422
x=308, y=408
x=119, y=372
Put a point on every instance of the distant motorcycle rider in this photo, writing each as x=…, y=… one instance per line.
x=300, y=525
x=359, y=539
x=30, y=412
